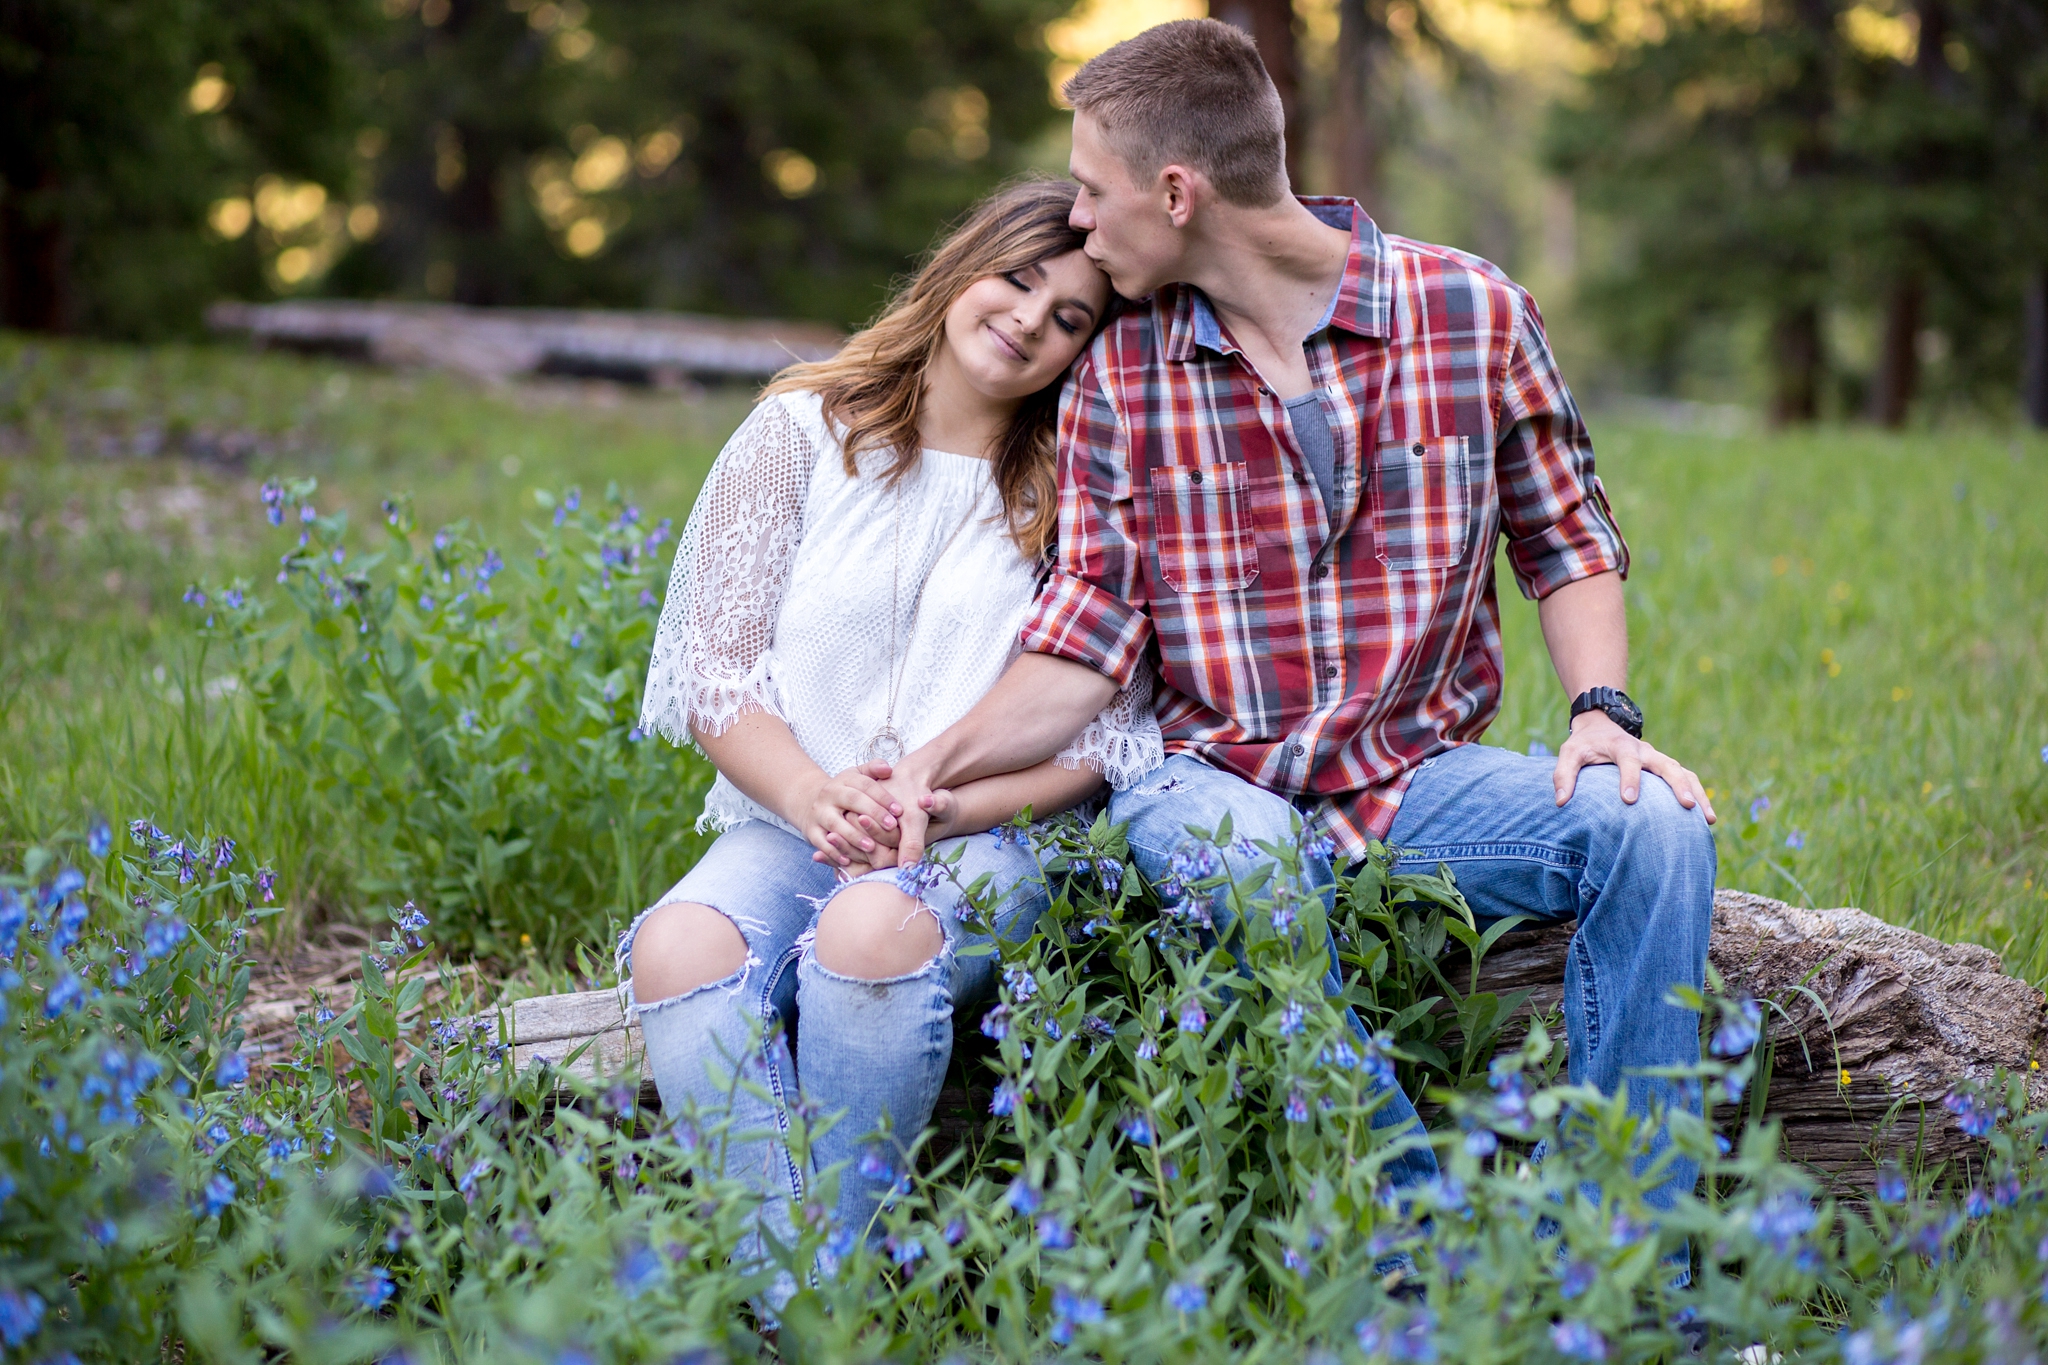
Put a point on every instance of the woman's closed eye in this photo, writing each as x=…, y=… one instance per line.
x=1065, y=324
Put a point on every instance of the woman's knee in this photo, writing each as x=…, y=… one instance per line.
x=874, y=932
x=681, y=946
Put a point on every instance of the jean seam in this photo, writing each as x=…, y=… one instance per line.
x=1589, y=992
x=765, y=1009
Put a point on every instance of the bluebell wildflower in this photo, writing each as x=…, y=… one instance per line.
x=372, y=1289
x=99, y=837
x=1795, y=840
x=468, y=1184
x=1733, y=1084
x=232, y=1069
x=21, y=1315
x=1973, y=1115
x=1071, y=1310
x=1193, y=1018
x=1111, y=874
x=1292, y=1018
x=639, y=1270
x=903, y=1250
x=1578, y=1340
x=64, y=993
x=466, y=719
x=919, y=877
x=1021, y=984
x=1931, y=1238
x=1054, y=1234
x=223, y=853
x=1052, y=1030
x=1538, y=749
x=1022, y=1197
x=307, y=514
x=1148, y=1048
x=1740, y=1028
x=194, y=597
x=68, y=923
x=1781, y=1220
x=219, y=1194
x=1758, y=807
x=1624, y=1231
x=1296, y=1109
x=1482, y=1143
x=1137, y=1128
x=996, y=1023
x=254, y=1126
x=1976, y=1204
x=875, y=1164
x=1187, y=1296
x=1292, y=1258
x=1578, y=1277
x=1891, y=1185
x=266, y=880
x=955, y=1230
x=1408, y=1337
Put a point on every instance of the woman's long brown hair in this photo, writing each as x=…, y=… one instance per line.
x=874, y=387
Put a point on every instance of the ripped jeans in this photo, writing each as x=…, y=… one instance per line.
x=868, y=1051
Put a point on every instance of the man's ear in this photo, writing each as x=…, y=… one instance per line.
x=1180, y=191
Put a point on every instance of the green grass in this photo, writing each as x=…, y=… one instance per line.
x=1852, y=625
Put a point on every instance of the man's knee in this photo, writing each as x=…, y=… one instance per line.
x=874, y=932
x=681, y=946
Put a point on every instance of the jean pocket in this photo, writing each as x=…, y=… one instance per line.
x=1204, y=529
x=1424, y=503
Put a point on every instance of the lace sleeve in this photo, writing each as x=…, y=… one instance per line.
x=1122, y=742
x=731, y=570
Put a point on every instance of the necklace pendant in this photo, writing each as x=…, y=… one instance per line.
x=883, y=746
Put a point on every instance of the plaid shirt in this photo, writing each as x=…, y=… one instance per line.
x=1322, y=653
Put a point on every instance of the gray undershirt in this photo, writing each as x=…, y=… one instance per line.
x=1312, y=434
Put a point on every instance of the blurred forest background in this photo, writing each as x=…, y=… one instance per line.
x=1819, y=209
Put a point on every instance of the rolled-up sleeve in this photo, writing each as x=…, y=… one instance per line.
x=1092, y=608
x=1558, y=524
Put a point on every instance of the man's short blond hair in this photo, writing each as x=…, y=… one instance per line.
x=1194, y=92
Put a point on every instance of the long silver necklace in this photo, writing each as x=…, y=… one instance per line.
x=886, y=745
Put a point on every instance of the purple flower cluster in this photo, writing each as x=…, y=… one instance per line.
x=1974, y=1115
x=1408, y=1336
x=119, y=1083
x=1740, y=1028
x=1071, y=1311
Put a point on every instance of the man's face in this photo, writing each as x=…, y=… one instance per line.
x=1131, y=233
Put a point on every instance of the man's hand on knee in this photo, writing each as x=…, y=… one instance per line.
x=1595, y=739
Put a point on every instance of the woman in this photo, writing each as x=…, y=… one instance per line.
x=852, y=580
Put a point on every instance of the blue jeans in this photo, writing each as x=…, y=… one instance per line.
x=1639, y=879
x=867, y=1051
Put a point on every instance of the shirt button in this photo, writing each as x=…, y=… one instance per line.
x=1265, y=392
x=1329, y=670
x=1300, y=477
x=1298, y=750
x=1322, y=572
x=1419, y=450
x=1195, y=477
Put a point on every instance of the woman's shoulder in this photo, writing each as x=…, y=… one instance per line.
x=802, y=407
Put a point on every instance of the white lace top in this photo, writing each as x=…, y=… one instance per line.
x=782, y=591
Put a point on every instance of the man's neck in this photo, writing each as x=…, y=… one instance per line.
x=1270, y=273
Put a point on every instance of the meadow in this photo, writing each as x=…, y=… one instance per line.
x=1844, y=632
x=291, y=646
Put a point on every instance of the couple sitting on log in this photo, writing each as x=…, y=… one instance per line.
x=1164, y=479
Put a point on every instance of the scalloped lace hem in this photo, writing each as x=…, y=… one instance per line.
x=1121, y=756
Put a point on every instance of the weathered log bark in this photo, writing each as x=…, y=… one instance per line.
x=1905, y=1016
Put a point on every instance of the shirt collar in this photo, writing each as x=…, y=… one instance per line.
x=1363, y=303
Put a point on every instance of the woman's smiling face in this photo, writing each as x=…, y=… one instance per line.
x=1013, y=334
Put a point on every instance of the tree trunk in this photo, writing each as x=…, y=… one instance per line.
x=1271, y=26
x=34, y=275
x=1795, y=351
x=1898, y=357
x=1358, y=149
x=2034, y=367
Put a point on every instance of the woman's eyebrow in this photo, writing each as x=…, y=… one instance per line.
x=1080, y=304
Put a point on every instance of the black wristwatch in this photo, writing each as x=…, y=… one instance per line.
x=1616, y=703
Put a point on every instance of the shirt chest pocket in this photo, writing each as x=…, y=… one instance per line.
x=1204, y=528
x=1423, y=495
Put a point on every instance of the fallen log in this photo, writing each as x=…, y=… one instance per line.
x=1872, y=1026
x=497, y=343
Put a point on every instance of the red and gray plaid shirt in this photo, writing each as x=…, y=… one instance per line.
x=1322, y=654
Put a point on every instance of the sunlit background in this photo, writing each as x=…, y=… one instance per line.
x=1816, y=209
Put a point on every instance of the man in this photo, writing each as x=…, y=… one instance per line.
x=1282, y=477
